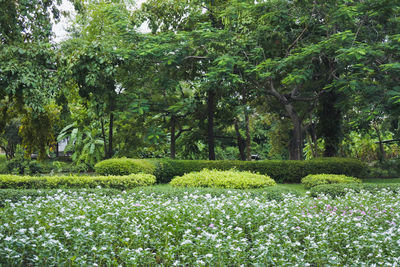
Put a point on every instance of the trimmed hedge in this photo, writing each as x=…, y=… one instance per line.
x=37, y=182
x=124, y=166
x=312, y=180
x=337, y=190
x=223, y=179
x=282, y=171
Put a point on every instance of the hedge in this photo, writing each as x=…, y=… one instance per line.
x=312, y=180
x=37, y=182
x=282, y=171
x=337, y=190
x=223, y=179
x=124, y=166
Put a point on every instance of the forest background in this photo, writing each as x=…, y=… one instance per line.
x=211, y=80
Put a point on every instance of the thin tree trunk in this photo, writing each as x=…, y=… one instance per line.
x=381, y=153
x=210, y=122
x=103, y=133
x=173, y=136
x=248, y=138
x=110, y=136
x=240, y=141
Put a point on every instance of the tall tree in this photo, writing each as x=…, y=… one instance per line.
x=95, y=53
x=28, y=65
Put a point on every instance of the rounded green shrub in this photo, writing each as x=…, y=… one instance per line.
x=223, y=179
x=321, y=179
x=124, y=166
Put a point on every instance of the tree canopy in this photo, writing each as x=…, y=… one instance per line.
x=229, y=79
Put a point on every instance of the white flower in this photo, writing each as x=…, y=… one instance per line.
x=184, y=242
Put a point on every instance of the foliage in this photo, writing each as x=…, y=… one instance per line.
x=223, y=179
x=387, y=169
x=319, y=179
x=9, y=138
x=37, y=130
x=123, y=166
x=20, y=164
x=84, y=143
x=340, y=190
x=234, y=228
x=365, y=146
x=37, y=182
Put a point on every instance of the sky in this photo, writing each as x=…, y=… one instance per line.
x=60, y=28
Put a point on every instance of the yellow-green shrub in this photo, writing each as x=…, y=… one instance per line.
x=37, y=182
x=320, y=179
x=223, y=179
x=124, y=166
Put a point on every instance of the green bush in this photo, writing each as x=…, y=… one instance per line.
x=223, y=179
x=124, y=166
x=312, y=180
x=15, y=195
x=338, y=190
x=36, y=182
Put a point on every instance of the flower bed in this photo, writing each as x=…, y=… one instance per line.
x=82, y=228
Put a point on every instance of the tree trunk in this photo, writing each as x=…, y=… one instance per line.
x=248, y=138
x=381, y=153
x=296, y=142
x=240, y=141
x=110, y=136
x=173, y=136
x=103, y=133
x=210, y=122
x=57, y=150
x=329, y=125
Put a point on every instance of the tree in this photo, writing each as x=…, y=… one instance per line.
x=95, y=54
x=28, y=64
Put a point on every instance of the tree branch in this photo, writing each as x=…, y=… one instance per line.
x=197, y=57
x=182, y=131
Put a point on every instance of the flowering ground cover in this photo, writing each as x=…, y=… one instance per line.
x=234, y=228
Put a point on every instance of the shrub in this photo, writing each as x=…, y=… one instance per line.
x=338, y=190
x=124, y=166
x=36, y=182
x=320, y=179
x=223, y=179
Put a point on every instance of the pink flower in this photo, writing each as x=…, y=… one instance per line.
x=211, y=225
